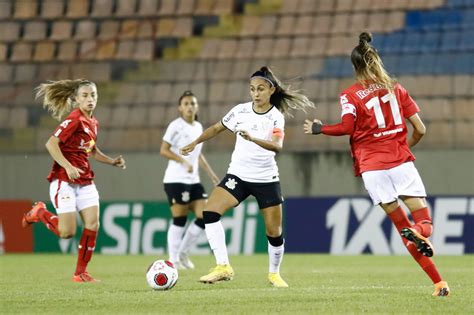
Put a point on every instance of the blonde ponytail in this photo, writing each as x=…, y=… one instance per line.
x=368, y=65
x=58, y=96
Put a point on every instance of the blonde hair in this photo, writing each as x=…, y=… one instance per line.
x=284, y=98
x=58, y=96
x=368, y=65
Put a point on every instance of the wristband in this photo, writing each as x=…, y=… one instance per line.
x=316, y=128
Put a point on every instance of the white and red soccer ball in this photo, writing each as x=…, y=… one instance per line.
x=162, y=275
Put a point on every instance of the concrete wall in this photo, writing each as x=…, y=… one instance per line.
x=301, y=174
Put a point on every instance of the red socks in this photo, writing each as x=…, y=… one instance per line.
x=85, y=250
x=400, y=220
x=49, y=220
x=423, y=223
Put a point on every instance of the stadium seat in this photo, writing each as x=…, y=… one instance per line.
x=52, y=9
x=125, y=49
x=61, y=30
x=317, y=46
x=10, y=31
x=204, y=7
x=125, y=7
x=289, y=7
x=223, y=7
x=321, y=25
x=77, y=8
x=185, y=7
x=5, y=9
x=21, y=51
x=34, y=30
x=44, y=51
x=340, y=23
x=25, y=73
x=108, y=29
x=183, y=27
x=85, y=29
x=147, y=7
x=267, y=26
x=464, y=133
x=129, y=29
x=286, y=25
x=106, y=50
x=281, y=47
x=25, y=9
x=299, y=46
x=67, y=50
x=144, y=50
x=102, y=8
x=87, y=49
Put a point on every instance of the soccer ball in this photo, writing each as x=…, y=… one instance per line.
x=162, y=275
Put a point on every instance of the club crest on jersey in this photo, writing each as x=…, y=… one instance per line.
x=185, y=196
x=87, y=146
x=230, y=183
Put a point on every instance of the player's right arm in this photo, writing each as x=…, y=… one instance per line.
x=209, y=133
x=52, y=145
x=419, y=130
x=165, y=151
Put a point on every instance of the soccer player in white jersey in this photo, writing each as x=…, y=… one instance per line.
x=182, y=182
x=259, y=126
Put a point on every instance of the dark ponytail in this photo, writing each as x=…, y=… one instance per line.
x=284, y=96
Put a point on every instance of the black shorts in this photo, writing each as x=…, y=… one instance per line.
x=267, y=194
x=184, y=193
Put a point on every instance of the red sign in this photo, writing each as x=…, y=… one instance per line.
x=14, y=238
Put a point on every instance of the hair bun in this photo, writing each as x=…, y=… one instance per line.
x=365, y=37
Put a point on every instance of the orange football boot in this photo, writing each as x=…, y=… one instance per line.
x=423, y=245
x=84, y=277
x=441, y=289
x=32, y=216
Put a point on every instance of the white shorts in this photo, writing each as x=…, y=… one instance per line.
x=67, y=197
x=385, y=186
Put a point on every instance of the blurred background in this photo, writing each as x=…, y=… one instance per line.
x=144, y=53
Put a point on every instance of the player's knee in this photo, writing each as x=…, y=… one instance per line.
x=93, y=226
x=66, y=234
x=273, y=232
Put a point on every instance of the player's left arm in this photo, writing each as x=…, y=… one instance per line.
x=98, y=155
x=419, y=130
x=275, y=145
x=208, y=169
x=345, y=127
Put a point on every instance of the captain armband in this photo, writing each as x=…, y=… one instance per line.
x=277, y=132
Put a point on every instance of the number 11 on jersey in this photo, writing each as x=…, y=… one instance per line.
x=390, y=98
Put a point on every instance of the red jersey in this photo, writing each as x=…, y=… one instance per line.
x=77, y=135
x=379, y=140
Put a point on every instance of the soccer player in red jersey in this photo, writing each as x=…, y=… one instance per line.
x=72, y=188
x=373, y=113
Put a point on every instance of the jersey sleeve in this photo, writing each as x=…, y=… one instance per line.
x=408, y=105
x=66, y=129
x=230, y=119
x=170, y=133
x=347, y=105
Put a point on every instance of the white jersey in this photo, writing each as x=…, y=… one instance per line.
x=179, y=134
x=250, y=162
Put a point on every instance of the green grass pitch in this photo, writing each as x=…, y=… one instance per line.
x=319, y=284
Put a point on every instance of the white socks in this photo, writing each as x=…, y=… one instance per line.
x=190, y=238
x=175, y=233
x=275, y=256
x=216, y=237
